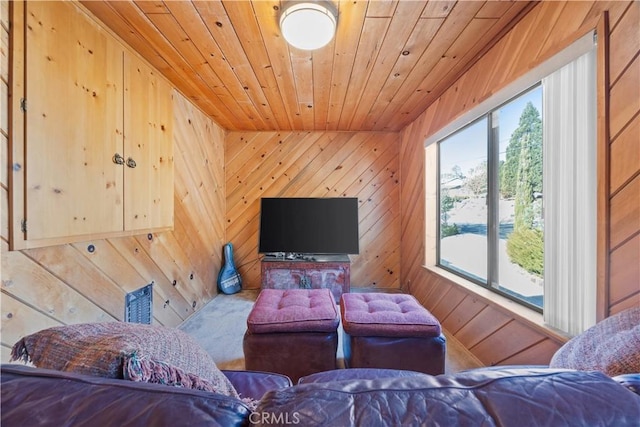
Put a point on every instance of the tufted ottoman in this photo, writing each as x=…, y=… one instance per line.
x=292, y=332
x=391, y=331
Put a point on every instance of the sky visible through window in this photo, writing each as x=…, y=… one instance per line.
x=462, y=148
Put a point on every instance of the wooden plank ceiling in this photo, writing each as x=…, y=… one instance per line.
x=388, y=61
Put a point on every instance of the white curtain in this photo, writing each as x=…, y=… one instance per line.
x=569, y=117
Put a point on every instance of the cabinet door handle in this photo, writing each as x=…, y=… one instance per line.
x=131, y=163
x=118, y=159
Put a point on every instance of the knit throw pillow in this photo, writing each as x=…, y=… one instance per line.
x=611, y=346
x=128, y=351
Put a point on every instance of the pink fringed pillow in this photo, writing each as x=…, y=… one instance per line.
x=129, y=351
x=611, y=346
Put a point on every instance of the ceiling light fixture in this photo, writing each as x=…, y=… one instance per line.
x=308, y=25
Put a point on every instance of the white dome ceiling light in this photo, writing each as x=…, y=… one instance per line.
x=308, y=25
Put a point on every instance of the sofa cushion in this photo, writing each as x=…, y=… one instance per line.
x=386, y=315
x=356, y=374
x=42, y=397
x=501, y=398
x=130, y=351
x=611, y=346
x=293, y=310
x=254, y=384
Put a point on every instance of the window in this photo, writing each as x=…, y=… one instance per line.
x=515, y=191
x=491, y=223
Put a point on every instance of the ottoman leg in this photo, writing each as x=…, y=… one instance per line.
x=295, y=354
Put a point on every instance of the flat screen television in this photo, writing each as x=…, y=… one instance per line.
x=309, y=225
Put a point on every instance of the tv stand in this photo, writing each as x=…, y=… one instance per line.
x=307, y=271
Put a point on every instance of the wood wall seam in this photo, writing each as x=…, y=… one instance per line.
x=603, y=200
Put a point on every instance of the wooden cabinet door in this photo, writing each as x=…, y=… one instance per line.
x=73, y=127
x=148, y=139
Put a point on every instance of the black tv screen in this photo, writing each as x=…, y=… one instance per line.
x=309, y=225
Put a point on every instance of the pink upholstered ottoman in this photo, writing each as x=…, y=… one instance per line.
x=292, y=332
x=391, y=331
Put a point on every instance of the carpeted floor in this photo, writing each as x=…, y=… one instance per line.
x=220, y=326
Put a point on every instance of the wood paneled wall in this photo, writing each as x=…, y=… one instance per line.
x=68, y=284
x=622, y=288
x=317, y=164
x=494, y=334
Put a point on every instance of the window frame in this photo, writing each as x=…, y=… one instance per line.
x=493, y=198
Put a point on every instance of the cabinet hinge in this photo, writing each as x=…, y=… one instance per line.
x=23, y=105
x=23, y=225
